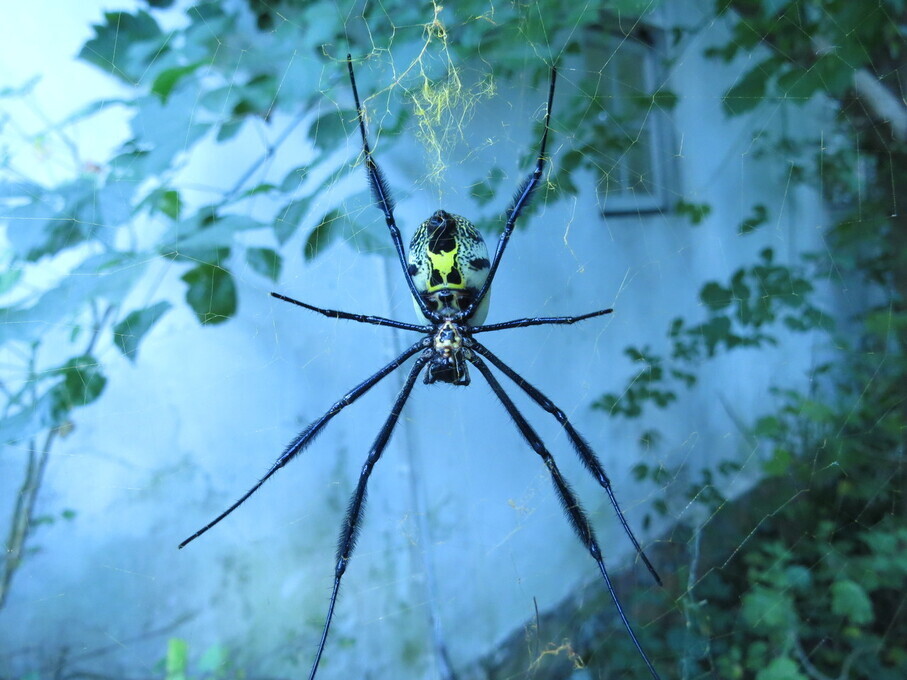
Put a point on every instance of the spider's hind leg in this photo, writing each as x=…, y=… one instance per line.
x=350, y=527
x=575, y=513
x=586, y=455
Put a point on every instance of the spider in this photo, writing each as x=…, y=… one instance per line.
x=449, y=275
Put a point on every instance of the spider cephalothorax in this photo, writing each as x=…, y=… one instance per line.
x=449, y=354
x=449, y=275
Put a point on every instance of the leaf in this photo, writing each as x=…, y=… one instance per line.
x=328, y=130
x=767, y=609
x=177, y=660
x=82, y=383
x=487, y=189
x=265, y=262
x=756, y=220
x=9, y=279
x=781, y=668
x=848, y=599
x=129, y=332
x=294, y=179
x=169, y=204
x=715, y=296
x=214, y=661
x=211, y=293
x=289, y=217
x=257, y=97
x=230, y=129
x=169, y=78
x=107, y=276
x=695, y=212
x=107, y=50
x=322, y=235
x=749, y=91
x=205, y=232
x=263, y=188
x=28, y=421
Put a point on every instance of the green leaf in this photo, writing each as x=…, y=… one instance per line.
x=695, y=212
x=9, y=278
x=108, y=49
x=328, y=130
x=715, y=296
x=168, y=202
x=294, y=179
x=767, y=609
x=129, y=332
x=265, y=262
x=781, y=668
x=756, y=220
x=106, y=276
x=168, y=79
x=486, y=189
x=263, y=188
x=211, y=293
x=177, y=661
x=205, y=232
x=82, y=383
x=215, y=659
x=257, y=97
x=28, y=421
x=848, y=599
x=288, y=218
x=749, y=91
x=665, y=99
x=323, y=234
x=230, y=129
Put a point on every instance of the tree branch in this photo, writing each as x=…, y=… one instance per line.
x=23, y=512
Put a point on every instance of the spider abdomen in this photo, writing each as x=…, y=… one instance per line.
x=448, y=261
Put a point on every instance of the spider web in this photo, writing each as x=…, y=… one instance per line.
x=465, y=557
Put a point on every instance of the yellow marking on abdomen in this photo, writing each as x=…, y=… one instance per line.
x=445, y=262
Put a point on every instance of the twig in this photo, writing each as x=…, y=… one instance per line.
x=24, y=511
x=269, y=153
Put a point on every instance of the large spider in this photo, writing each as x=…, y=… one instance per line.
x=449, y=276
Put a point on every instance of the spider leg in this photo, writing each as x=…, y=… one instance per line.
x=304, y=438
x=520, y=200
x=350, y=528
x=575, y=514
x=536, y=321
x=361, y=318
x=581, y=446
x=381, y=192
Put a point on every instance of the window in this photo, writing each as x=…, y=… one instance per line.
x=630, y=147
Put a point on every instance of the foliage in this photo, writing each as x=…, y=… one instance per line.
x=214, y=664
x=807, y=583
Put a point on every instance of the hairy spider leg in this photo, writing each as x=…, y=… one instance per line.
x=520, y=200
x=538, y=321
x=361, y=318
x=350, y=528
x=574, y=511
x=304, y=438
x=586, y=455
x=382, y=196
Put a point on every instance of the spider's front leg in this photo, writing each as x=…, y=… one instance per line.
x=381, y=193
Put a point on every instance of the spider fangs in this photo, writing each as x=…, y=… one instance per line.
x=449, y=276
